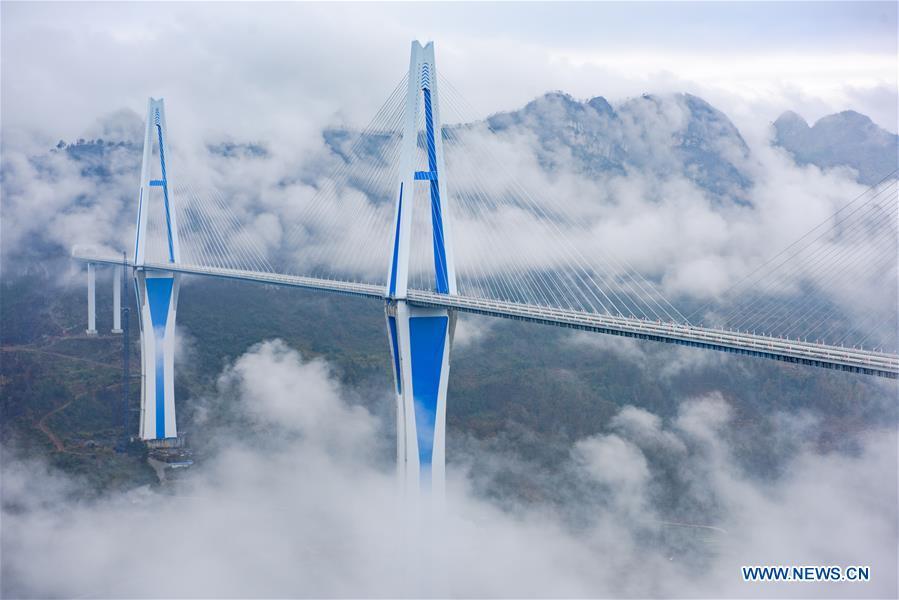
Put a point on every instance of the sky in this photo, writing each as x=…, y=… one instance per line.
x=296, y=66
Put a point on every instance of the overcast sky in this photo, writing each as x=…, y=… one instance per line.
x=269, y=71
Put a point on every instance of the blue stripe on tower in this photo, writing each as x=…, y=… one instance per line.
x=159, y=297
x=391, y=321
x=140, y=206
x=160, y=384
x=440, y=270
x=165, y=191
x=396, y=243
x=427, y=338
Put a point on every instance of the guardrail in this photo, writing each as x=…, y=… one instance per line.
x=820, y=355
x=325, y=285
x=794, y=351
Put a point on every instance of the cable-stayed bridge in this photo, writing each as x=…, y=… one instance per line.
x=851, y=359
x=423, y=210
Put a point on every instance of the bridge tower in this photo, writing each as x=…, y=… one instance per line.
x=157, y=291
x=421, y=338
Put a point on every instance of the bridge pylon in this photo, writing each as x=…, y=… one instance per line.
x=157, y=291
x=421, y=338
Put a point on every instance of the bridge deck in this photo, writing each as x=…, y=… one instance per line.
x=793, y=351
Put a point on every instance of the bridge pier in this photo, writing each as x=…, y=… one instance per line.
x=91, y=299
x=420, y=343
x=117, y=299
x=158, y=300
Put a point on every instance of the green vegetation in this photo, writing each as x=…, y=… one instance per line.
x=526, y=389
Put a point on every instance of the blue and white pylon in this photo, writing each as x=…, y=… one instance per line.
x=157, y=291
x=421, y=338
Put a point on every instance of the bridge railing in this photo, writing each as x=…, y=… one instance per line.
x=809, y=353
x=850, y=357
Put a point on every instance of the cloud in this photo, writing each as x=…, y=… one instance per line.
x=621, y=468
x=266, y=380
x=93, y=60
x=289, y=111
x=471, y=330
x=531, y=218
x=298, y=498
x=560, y=207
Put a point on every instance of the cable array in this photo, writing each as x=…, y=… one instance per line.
x=515, y=247
x=342, y=232
x=836, y=284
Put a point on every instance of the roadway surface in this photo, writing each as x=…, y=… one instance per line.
x=793, y=351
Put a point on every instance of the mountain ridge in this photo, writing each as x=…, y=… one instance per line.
x=847, y=138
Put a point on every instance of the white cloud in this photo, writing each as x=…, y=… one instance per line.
x=216, y=68
x=471, y=330
x=653, y=216
x=299, y=499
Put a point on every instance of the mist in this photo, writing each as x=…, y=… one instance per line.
x=296, y=496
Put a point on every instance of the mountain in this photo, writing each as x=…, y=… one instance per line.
x=664, y=134
x=846, y=138
x=655, y=136
x=660, y=135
